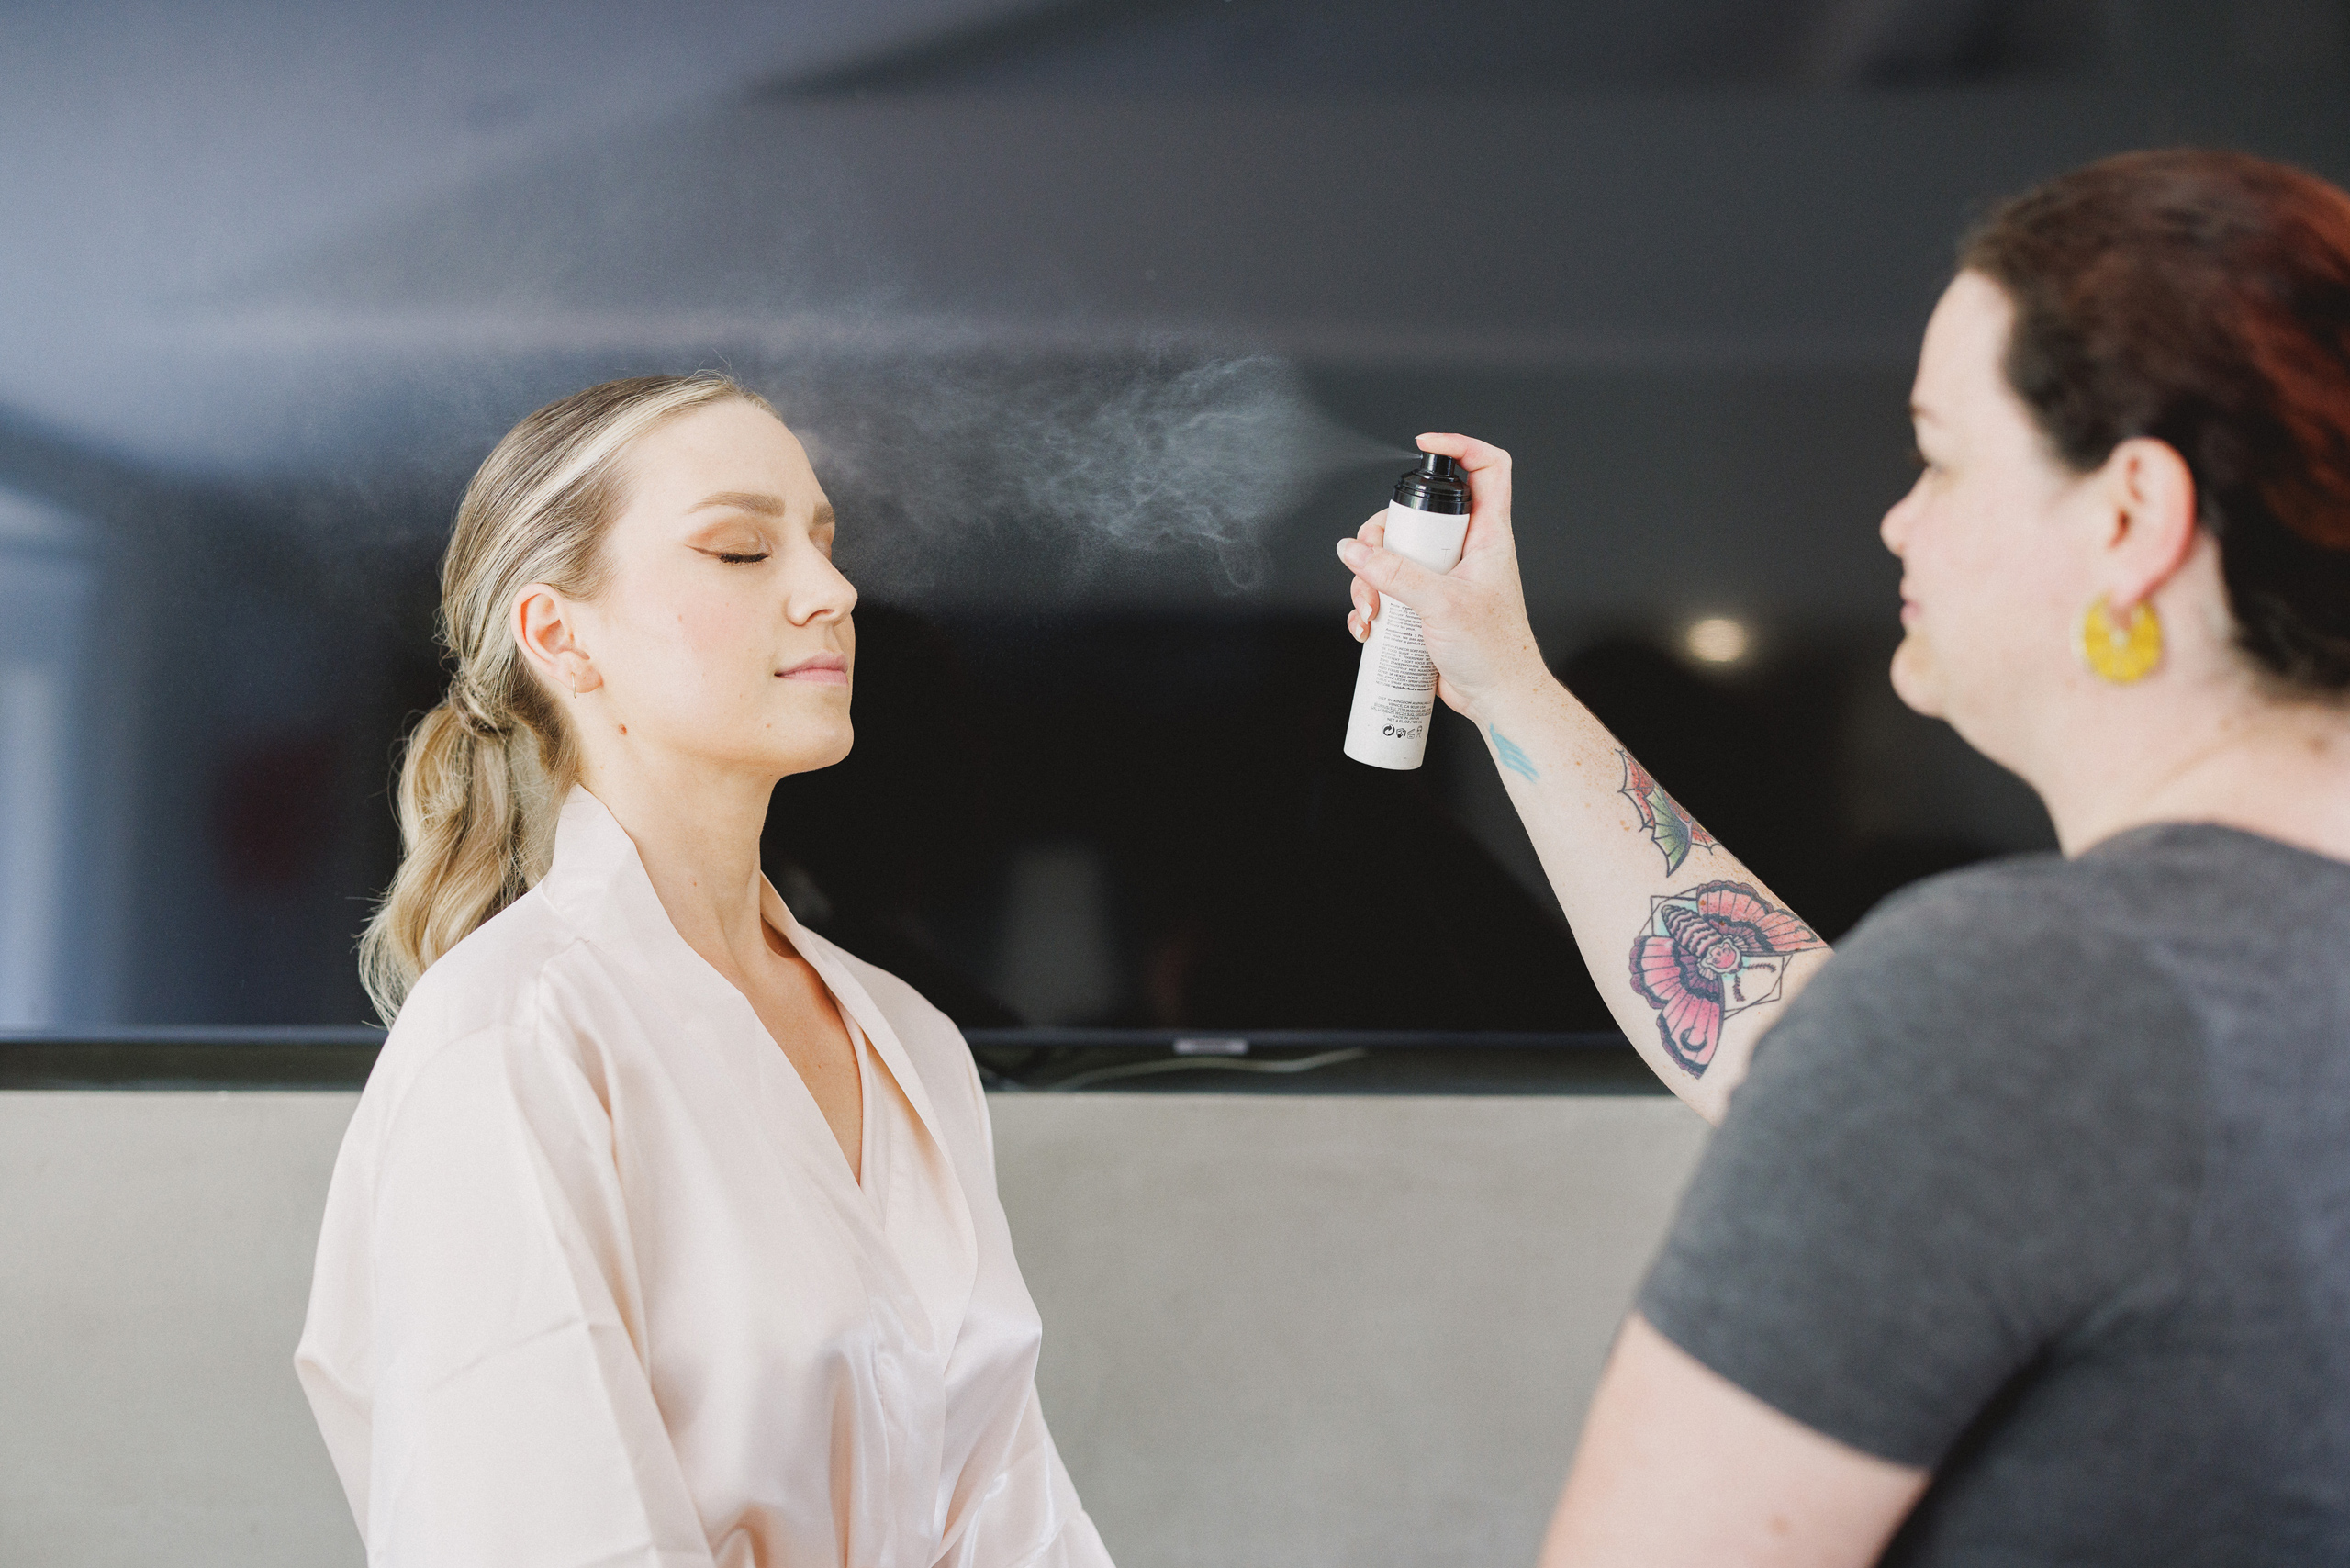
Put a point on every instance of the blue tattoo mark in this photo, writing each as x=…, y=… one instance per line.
x=1513, y=757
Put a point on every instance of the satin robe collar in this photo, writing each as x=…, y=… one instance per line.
x=597, y=884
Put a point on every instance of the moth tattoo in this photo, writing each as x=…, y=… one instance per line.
x=1708, y=954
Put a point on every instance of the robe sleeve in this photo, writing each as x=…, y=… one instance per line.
x=1030, y=1516
x=513, y=1424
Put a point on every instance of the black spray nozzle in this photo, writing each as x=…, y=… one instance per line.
x=1436, y=485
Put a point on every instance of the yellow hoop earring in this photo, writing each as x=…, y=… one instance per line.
x=2123, y=655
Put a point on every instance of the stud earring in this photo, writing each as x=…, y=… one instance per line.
x=2123, y=655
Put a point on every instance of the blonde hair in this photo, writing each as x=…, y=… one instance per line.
x=483, y=776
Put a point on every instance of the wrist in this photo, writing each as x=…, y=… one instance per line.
x=1515, y=690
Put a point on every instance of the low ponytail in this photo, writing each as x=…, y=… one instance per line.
x=483, y=776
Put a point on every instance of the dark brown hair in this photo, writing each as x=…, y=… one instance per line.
x=2202, y=299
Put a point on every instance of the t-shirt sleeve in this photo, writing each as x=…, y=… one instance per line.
x=1969, y=1138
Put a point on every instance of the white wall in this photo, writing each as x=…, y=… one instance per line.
x=1280, y=1330
x=47, y=727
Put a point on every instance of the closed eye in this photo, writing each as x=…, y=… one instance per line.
x=734, y=559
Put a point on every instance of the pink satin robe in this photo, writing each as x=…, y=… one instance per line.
x=595, y=1286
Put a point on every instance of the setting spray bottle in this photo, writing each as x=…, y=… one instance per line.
x=1395, y=686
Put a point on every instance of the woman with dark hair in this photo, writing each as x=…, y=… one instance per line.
x=2026, y=1238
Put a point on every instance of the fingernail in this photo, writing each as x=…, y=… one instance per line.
x=1348, y=549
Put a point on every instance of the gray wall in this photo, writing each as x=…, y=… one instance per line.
x=1281, y=1330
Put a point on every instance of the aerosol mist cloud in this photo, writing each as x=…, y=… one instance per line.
x=1159, y=460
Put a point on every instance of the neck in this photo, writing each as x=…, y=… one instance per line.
x=2219, y=754
x=697, y=830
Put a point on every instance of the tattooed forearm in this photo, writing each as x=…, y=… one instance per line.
x=1674, y=829
x=1708, y=954
x=1513, y=756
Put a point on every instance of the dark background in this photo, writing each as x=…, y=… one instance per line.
x=271, y=282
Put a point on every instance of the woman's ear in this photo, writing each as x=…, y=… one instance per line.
x=544, y=631
x=2148, y=498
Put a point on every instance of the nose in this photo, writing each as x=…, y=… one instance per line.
x=1894, y=529
x=818, y=590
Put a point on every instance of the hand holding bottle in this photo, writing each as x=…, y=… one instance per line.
x=1473, y=618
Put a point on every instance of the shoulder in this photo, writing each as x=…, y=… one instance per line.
x=2034, y=924
x=489, y=979
x=1999, y=901
x=2021, y=987
x=2022, y=970
x=475, y=1016
x=2115, y=920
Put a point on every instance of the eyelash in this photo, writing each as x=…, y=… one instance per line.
x=736, y=560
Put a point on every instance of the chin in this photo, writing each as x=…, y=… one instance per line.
x=838, y=751
x=818, y=746
x=1914, y=681
x=808, y=728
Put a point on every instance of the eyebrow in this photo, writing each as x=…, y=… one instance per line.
x=761, y=503
x=742, y=500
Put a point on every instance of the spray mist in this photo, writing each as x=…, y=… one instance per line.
x=1395, y=686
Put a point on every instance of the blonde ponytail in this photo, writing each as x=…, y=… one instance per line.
x=483, y=775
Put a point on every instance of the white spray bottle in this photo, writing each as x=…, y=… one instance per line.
x=1396, y=687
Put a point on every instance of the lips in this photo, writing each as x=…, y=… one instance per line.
x=818, y=669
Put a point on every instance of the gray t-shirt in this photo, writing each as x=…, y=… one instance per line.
x=2044, y=1183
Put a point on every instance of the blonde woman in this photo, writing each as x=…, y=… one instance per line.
x=665, y=1232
